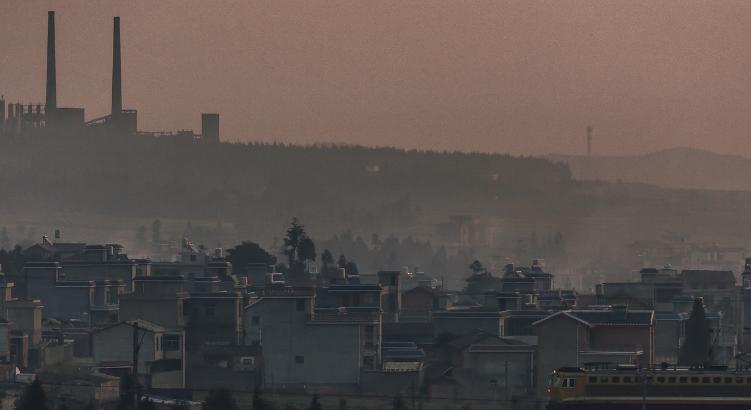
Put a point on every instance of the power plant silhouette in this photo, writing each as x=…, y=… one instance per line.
x=18, y=120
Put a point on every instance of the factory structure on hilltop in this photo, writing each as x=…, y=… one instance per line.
x=18, y=120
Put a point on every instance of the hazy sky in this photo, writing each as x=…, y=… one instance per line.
x=508, y=76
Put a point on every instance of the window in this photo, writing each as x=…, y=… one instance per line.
x=717, y=380
x=728, y=380
x=571, y=383
x=671, y=379
x=603, y=379
x=300, y=359
x=158, y=342
x=210, y=309
x=171, y=343
x=694, y=380
x=739, y=380
x=705, y=379
x=627, y=379
x=660, y=380
x=615, y=379
x=255, y=320
x=300, y=305
x=683, y=380
x=355, y=300
x=592, y=379
x=392, y=281
x=748, y=380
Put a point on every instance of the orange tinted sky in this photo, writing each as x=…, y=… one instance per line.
x=507, y=76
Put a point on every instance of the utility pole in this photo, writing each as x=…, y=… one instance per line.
x=412, y=390
x=134, y=373
x=505, y=385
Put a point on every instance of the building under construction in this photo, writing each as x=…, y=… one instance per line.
x=21, y=120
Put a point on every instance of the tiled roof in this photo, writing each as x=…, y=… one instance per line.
x=615, y=317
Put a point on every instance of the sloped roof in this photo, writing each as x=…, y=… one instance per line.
x=614, y=317
x=476, y=336
x=142, y=325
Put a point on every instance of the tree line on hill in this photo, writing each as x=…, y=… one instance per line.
x=249, y=184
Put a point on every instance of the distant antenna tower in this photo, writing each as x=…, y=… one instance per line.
x=589, y=141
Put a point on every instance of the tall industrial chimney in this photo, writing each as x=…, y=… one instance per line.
x=117, y=87
x=51, y=103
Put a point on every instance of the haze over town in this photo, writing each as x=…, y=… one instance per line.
x=413, y=205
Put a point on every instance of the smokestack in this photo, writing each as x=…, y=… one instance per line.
x=51, y=103
x=117, y=87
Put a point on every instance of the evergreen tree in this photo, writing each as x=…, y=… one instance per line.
x=314, y=403
x=220, y=399
x=299, y=249
x=341, y=262
x=695, y=349
x=477, y=268
x=33, y=397
x=295, y=234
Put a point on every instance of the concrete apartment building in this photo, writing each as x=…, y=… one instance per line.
x=614, y=335
x=481, y=365
x=161, y=355
x=92, y=302
x=301, y=338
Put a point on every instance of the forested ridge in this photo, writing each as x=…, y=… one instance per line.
x=142, y=176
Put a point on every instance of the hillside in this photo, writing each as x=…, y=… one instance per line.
x=686, y=168
x=260, y=186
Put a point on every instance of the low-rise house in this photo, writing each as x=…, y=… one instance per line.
x=161, y=353
x=94, y=302
x=486, y=367
x=594, y=337
x=417, y=303
x=300, y=340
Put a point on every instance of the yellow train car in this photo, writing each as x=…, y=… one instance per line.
x=665, y=389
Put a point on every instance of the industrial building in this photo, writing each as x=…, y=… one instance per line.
x=23, y=120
